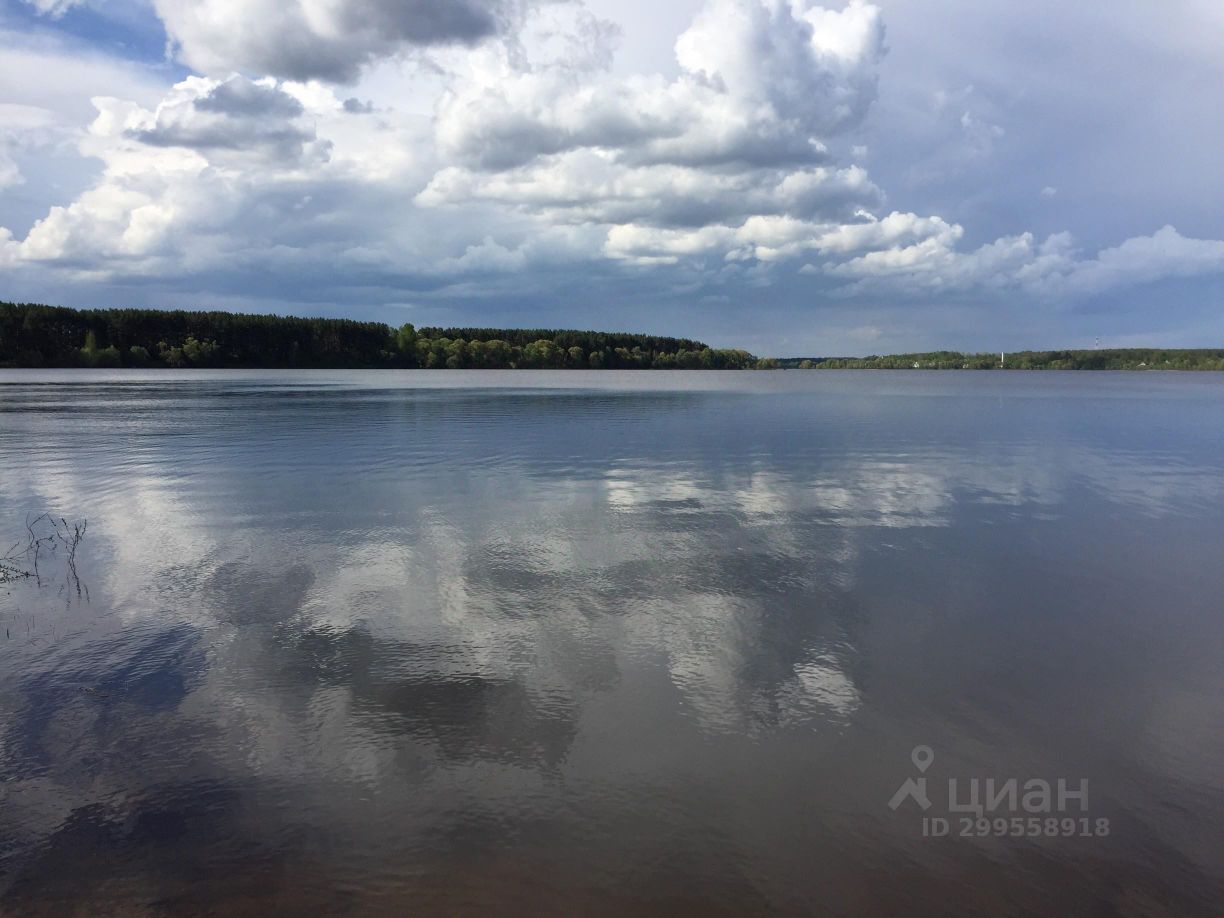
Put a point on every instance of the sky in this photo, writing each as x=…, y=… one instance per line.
x=797, y=178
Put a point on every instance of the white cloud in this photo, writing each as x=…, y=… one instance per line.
x=763, y=83
x=727, y=159
x=774, y=238
x=801, y=61
x=180, y=178
x=250, y=182
x=1142, y=259
x=1050, y=269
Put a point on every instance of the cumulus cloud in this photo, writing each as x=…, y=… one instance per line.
x=763, y=83
x=729, y=158
x=774, y=238
x=260, y=186
x=236, y=115
x=804, y=62
x=323, y=39
x=1053, y=268
x=1142, y=259
x=175, y=178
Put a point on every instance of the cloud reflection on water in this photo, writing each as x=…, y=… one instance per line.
x=484, y=601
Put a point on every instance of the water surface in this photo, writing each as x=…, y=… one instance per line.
x=598, y=643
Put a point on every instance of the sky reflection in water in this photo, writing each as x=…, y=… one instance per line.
x=600, y=642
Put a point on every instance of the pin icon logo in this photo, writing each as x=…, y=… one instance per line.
x=915, y=788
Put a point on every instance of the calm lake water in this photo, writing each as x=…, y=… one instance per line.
x=609, y=643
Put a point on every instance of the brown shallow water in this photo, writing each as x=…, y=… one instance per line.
x=650, y=643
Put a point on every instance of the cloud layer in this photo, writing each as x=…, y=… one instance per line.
x=487, y=149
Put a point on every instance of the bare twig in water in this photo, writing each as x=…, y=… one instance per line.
x=45, y=535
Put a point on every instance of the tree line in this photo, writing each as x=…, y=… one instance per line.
x=33, y=335
x=1107, y=359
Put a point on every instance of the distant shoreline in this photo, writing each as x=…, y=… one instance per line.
x=37, y=336
x=1096, y=359
x=56, y=337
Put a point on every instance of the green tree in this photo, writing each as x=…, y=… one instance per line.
x=171, y=356
x=199, y=353
x=406, y=339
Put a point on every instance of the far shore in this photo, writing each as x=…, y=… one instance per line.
x=38, y=336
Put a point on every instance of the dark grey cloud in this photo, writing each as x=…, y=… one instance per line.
x=244, y=99
x=238, y=115
x=292, y=39
x=427, y=22
x=287, y=141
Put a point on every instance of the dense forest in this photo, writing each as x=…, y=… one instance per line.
x=54, y=336
x=1115, y=359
